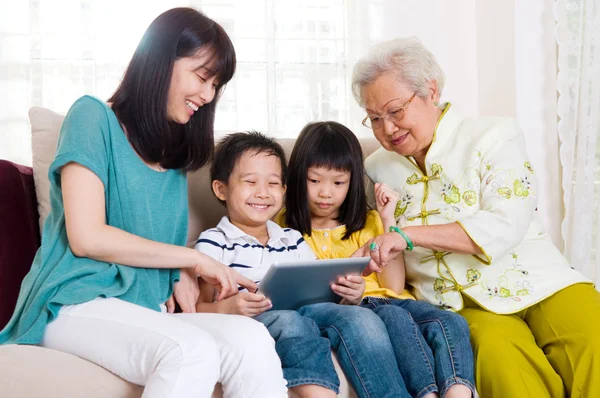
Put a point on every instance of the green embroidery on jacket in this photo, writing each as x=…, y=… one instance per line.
x=470, y=197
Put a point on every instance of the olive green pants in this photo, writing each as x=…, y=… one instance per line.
x=551, y=349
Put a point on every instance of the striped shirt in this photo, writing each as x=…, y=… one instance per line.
x=233, y=247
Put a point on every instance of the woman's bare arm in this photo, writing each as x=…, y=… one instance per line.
x=90, y=236
x=445, y=237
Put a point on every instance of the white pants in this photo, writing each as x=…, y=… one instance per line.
x=172, y=355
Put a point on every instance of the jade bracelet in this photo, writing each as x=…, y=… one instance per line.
x=409, y=243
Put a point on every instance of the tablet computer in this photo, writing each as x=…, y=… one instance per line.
x=290, y=285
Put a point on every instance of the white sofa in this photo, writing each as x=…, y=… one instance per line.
x=28, y=371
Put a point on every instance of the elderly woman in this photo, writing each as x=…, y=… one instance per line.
x=468, y=207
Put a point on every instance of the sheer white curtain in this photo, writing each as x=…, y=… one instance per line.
x=294, y=59
x=578, y=35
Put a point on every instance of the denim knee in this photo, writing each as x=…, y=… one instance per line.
x=288, y=324
x=395, y=315
x=305, y=354
x=457, y=326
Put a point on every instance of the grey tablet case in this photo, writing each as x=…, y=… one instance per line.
x=291, y=285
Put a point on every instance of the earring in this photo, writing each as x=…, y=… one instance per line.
x=436, y=103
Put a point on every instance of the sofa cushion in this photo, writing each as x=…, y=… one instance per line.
x=30, y=371
x=19, y=233
x=45, y=127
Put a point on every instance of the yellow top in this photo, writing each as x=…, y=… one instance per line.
x=328, y=243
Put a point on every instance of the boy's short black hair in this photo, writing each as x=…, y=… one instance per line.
x=231, y=148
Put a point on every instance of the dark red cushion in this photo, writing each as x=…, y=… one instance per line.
x=19, y=232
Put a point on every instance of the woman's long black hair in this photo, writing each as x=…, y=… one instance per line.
x=140, y=101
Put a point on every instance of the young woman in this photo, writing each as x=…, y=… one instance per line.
x=103, y=284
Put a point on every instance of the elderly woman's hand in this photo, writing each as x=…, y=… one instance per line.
x=382, y=249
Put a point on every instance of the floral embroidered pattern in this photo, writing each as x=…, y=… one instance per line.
x=473, y=275
x=504, y=290
x=402, y=205
x=505, y=192
x=470, y=197
x=450, y=193
x=527, y=165
x=439, y=285
x=524, y=288
x=522, y=187
x=436, y=170
x=413, y=179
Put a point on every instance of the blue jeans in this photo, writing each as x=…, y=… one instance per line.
x=432, y=346
x=363, y=348
x=304, y=339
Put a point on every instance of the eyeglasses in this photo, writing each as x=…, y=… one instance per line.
x=393, y=114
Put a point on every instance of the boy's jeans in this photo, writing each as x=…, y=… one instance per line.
x=432, y=346
x=304, y=339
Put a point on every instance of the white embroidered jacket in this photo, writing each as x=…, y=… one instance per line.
x=479, y=176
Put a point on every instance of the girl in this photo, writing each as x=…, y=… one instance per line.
x=326, y=202
x=108, y=268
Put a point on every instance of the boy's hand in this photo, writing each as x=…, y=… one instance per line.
x=350, y=288
x=248, y=304
x=386, y=199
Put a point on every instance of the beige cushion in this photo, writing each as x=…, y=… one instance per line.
x=29, y=371
x=45, y=126
x=33, y=372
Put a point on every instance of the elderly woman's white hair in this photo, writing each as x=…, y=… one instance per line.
x=407, y=58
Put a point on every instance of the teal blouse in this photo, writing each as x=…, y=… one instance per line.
x=139, y=200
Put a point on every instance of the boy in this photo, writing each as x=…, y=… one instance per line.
x=248, y=176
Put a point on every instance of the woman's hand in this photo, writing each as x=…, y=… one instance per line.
x=186, y=292
x=351, y=288
x=382, y=249
x=246, y=303
x=386, y=199
x=222, y=278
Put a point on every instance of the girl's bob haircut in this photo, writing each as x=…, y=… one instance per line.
x=331, y=145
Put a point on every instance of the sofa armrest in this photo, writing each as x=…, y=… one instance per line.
x=19, y=233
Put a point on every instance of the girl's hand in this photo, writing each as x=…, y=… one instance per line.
x=350, y=287
x=248, y=304
x=222, y=278
x=386, y=199
x=186, y=291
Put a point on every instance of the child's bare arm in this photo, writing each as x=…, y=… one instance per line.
x=393, y=276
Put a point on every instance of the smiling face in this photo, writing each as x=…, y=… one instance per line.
x=412, y=135
x=254, y=192
x=327, y=189
x=191, y=87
